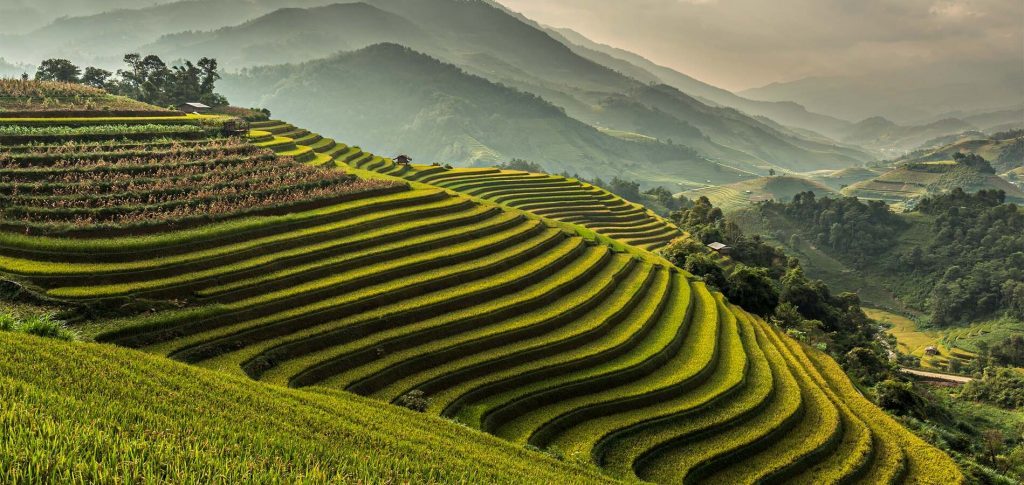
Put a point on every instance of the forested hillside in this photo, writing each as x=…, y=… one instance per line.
x=957, y=257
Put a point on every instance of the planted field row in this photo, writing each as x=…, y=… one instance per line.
x=70, y=154
x=551, y=196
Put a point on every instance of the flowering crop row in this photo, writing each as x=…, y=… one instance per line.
x=154, y=162
x=267, y=179
x=17, y=88
x=71, y=183
x=124, y=217
x=78, y=150
x=23, y=130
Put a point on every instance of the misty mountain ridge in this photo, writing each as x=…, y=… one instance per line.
x=892, y=140
x=913, y=95
x=511, y=52
x=785, y=112
x=395, y=100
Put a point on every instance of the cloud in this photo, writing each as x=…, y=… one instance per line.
x=745, y=43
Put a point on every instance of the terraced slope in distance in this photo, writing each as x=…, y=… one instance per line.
x=503, y=321
x=741, y=194
x=551, y=196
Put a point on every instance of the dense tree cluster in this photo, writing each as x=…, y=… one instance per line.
x=521, y=165
x=859, y=230
x=974, y=161
x=975, y=256
x=148, y=79
x=969, y=266
x=998, y=385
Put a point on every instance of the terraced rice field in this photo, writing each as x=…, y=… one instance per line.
x=505, y=323
x=551, y=196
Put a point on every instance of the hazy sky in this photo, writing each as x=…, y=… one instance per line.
x=738, y=44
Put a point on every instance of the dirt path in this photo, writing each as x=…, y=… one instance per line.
x=936, y=376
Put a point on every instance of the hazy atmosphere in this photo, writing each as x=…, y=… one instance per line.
x=512, y=241
x=741, y=44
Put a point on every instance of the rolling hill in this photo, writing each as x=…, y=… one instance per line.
x=1005, y=151
x=284, y=263
x=275, y=39
x=912, y=181
x=741, y=194
x=892, y=140
x=840, y=179
x=103, y=38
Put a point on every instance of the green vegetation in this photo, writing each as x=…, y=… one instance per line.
x=467, y=293
x=148, y=79
x=965, y=323
x=40, y=325
x=1005, y=150
x=956, y=257
x=182, y=424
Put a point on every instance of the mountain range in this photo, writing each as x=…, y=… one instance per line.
x=617, y=93
x=513, y=53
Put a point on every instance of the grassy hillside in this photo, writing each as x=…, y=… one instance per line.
x=741, y=194
x=535, y=331
x=840, y=179
x=73, y=412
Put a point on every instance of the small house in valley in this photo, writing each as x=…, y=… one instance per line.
x=719, y=248
x=193, y=108
x=403, y=160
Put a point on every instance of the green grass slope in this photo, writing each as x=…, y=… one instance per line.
x=88, y=413
x=738, y=195
x=543, y=333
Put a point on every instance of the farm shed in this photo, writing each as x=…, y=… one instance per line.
x=193, y=108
